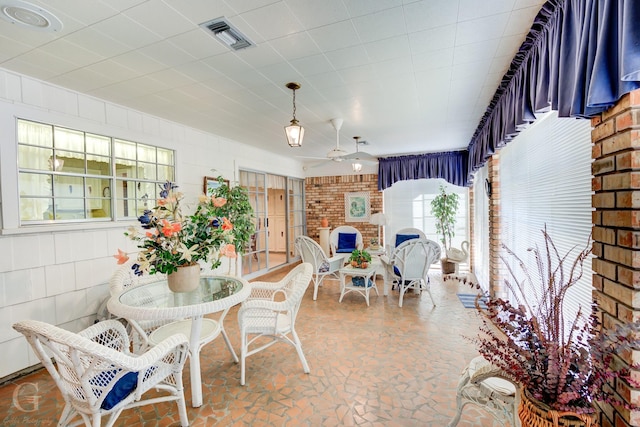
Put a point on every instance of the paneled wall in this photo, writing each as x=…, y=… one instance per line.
x=58, y=274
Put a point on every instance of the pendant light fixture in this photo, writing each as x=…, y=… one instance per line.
x=356, y=165
x=294, y=131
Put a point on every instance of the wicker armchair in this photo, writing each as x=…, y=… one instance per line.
x=311, y=252
x=97, y=374
x=409, y=265
x=489, y=388
x=338, y=240
x=270, y=311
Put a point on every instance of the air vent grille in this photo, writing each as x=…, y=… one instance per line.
x=227, y=34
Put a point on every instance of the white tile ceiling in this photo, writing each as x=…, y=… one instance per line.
x=407, y=76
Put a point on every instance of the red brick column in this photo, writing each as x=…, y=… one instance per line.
x=496, y=288
x=616, y=231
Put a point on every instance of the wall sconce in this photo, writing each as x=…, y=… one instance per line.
x=294, y=132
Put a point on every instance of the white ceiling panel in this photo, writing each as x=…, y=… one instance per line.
x=424, y=15
x=488, y=28
x=381, y=25
x=409, y=76
x=335, y=36
x=314, y=13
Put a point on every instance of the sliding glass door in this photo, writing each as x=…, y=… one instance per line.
x=278, y=204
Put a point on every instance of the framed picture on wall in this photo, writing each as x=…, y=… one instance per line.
x=357, y=207
x=211, y=183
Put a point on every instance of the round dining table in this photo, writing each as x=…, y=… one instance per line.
x=154, y=301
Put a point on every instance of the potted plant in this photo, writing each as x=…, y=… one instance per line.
x=173, y=242
x=360, y=258
x=444, y=208
x=562, y=362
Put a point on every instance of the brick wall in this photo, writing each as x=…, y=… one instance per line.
x=496, y=286
x=616, y=231
x=325, y=198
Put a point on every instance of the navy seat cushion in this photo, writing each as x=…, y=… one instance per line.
x=396, y=271
x=359, y=281
x=122, y=388
x=346, y=242
x=401, y=238
x=324, y=267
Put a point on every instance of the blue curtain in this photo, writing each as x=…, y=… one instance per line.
x=452, y=166
x=580, y=58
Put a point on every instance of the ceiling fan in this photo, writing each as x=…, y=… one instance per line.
x=337, y=154
x=360, y=156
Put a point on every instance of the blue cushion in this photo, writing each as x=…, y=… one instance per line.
x=324, y=267
x=359, y=281
x=396, y=271
x=401, y=238
x=121, y=389
x=346, y=242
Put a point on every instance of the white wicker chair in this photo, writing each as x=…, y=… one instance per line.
x=98, y=376
x=124, y=278
x=405, y=231
x=334, y=238
x=310, y=251
x=271, y=312
x=409, y=265
x=489, y=388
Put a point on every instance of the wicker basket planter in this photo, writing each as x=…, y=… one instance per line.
x=536, y=414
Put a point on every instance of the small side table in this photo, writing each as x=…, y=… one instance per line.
x=368, y=274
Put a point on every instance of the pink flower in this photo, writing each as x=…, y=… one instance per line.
x=121, y=256
x=218, y=202
x=226, y=224
x=229, y=251
x=169, y=229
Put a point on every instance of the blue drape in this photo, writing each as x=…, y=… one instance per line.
x=451, y=166
x=579, y=58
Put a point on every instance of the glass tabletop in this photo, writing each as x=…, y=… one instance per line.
x=158, y=295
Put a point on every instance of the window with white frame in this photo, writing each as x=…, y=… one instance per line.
x=67, y=175
x=408, y=204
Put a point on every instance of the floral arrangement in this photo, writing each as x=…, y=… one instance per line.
x=221, y=225
x=565, y=363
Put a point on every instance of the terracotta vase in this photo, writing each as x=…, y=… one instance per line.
x=324, y=222
x=186, y=279
x=533, y=413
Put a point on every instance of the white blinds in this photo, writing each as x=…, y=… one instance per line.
x=545, y=178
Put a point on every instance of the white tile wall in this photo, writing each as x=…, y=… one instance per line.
x=61, y=277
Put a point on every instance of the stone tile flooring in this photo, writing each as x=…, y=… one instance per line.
x=370, y=366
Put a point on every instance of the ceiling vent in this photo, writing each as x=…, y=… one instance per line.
x=29, y=15
x=227, y=34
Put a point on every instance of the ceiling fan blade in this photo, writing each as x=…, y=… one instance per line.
x=360, y=155
x=311, y=157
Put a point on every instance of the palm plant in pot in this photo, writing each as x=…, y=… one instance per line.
x=444, y=208
x=563, y=362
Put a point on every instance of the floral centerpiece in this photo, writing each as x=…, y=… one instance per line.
x=564, y=364
x=221, y=225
